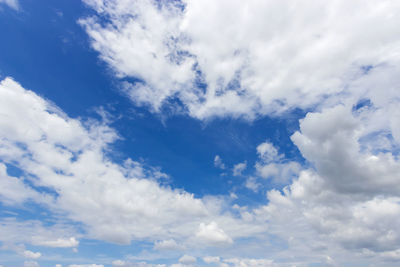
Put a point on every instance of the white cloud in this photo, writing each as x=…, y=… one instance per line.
x=14, y=231
x=58, y=243
x=212, y=234
x=11, y=3
x=14, y=191
x=304, y=52
x=187, y=259
x=268, y=152
x=272, y=164
x=74, y=165
x=115, y=203
x=169, y=244
x=211, y=259
x=31, y=255
x=252, y=184
x=218, y=162
x=239, y=168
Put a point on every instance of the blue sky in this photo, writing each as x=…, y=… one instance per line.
x=199, y=133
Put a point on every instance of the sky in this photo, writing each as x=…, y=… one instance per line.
x=185, y=133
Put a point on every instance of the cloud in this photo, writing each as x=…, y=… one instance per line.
x=211, y=259
x=58, y=243
x=349, y=195
x=213, y=235
x=31, y=255
x=113, y=203
x=67, y=157
x=252, y=184
x=218, y=162
x=187, y=259
x=272, y=164
x=14, y=191
x=11, y=3
x=169, y=244
x=86, y=265
x=218, y=61
x=239, y=168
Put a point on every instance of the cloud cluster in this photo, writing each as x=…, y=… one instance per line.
x=65, y=168
x=232, y=58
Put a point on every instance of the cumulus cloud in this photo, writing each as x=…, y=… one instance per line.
x=115, y=203
x=211, y=259
x=350, y=196
x=228, y=62
x=187, y=259
x=212, y=234
x=14, y=191
x=86, y=265
x=169, y=244
x=31, y=255
x=64, y=155
x=272, y=164
x=239, y=168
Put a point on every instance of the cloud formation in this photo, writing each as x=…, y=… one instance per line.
x=241, y=59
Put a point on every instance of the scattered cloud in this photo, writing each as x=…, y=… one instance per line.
x=187, y=259
x=31, y=255
x=239, y=168
x=213, y=235
x=218, y=162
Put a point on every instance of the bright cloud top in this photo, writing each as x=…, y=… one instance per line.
x=242, y=59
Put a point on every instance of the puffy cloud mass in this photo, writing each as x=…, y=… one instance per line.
x=115, y=203
x=241, y=59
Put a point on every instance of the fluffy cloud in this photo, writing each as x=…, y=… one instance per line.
x=31, y=255
x=14, y=231
x=13, y=190
x=86, y=265
x=272, y=164
x=229, y=62
x=58, y=243
x=67, y=157
x=239, y=168
x=187, y=259
x=218, y=162
x=210, y=259
x=169, y=244
x=115, y=203
x=351, y=196
x=212, y=234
